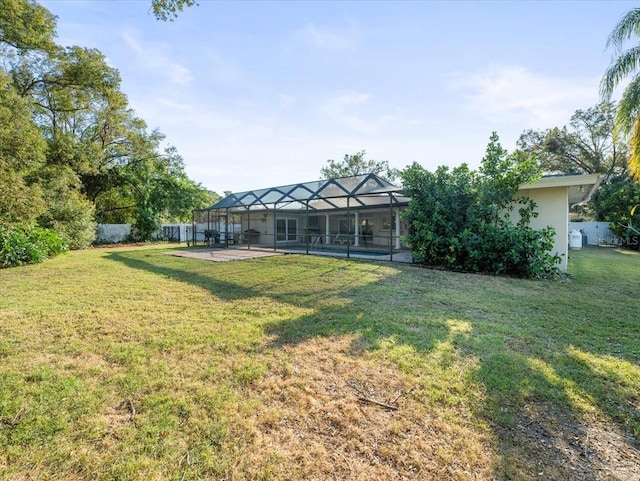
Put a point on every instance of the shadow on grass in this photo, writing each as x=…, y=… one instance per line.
x=227, y=291
x=534, y=365
x=535, y=395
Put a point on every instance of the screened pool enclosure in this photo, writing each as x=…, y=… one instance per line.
x=359, y=214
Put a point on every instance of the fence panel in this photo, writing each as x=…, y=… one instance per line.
x=598, y=233
x=112, y=232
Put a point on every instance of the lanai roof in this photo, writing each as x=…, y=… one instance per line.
x=366, y=190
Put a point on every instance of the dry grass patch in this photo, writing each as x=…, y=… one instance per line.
x=322, y=415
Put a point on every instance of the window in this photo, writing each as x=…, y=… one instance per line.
x=388, y=223
x=366, y=231
x=286, y=229
x=347, y=227
x=366, y=225
x=314, y=222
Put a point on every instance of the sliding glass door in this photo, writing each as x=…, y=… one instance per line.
x=286, y=230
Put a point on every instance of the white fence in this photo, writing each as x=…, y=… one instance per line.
x=598, y=233
x=175, y=232
x=112, y=232
x=119, y=232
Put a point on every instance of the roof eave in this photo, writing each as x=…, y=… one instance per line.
x=564, y=181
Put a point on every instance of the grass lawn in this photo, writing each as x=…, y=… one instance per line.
x=132, y=364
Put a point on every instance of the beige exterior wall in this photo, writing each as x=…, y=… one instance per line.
x=553, y=210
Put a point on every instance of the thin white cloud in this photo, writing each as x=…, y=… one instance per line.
x=220, y=69
x=512, y=94
x=342, y=110
x=132, y=42
x=154, y=56
x=188, y=118
x=286, y=100
x=357, y=113
x=331, y=38
x=230, y=147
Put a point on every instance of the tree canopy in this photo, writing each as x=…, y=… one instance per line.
x=589, y=145
x=22, y=154
x=169, y=9
x=72, y=151
x=356, y=164
x=26, y=26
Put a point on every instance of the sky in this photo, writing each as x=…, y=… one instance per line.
x=261, y=94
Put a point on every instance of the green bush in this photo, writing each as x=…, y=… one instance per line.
x=146, y=224
x=462, y=219
x=68, y=211
x=628, y=235
x=28, y=244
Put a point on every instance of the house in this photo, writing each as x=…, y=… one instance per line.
x=359, y=214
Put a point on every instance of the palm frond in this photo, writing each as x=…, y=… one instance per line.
x=629, y=25
x=627, y=120
x=629, y=106
x=626, y=63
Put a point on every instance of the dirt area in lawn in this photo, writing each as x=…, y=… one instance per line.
x=325, y=414
x=555, y=446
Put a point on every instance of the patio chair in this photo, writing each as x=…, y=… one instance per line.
x=342, y=239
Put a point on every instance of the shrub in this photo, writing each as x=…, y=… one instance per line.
x=461, y=219
x=28, y=244
x=68, y=211
x=147, y=223
x=628, y=235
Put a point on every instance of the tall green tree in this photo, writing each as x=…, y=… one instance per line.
x=71, y=148
x=614, y=201
x=161, y=191
x=589, y=145
x=625, y=64
x=26, y=31
x=69, y=90
x=356, y=164
x=22, y=155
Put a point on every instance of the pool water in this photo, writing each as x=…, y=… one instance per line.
x=330, y=251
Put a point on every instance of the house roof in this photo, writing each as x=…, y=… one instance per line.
x=357, y=191
x=581, y=186
x=369, y=190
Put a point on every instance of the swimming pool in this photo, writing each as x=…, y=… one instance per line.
x=335, y=252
